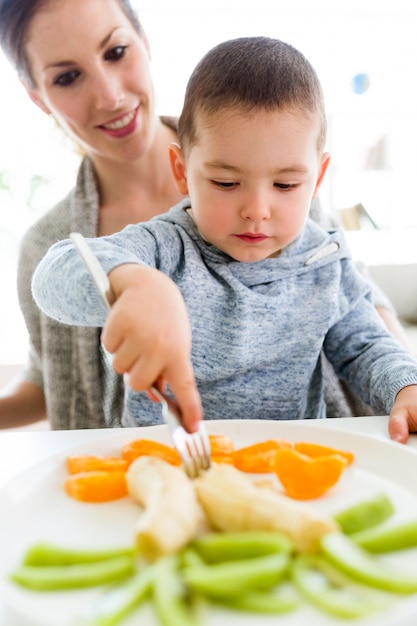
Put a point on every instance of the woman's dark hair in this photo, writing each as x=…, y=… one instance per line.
x=15, y=19
x=251, y=73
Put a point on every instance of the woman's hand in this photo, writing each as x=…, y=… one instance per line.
x=21, y=403
x=148, y=332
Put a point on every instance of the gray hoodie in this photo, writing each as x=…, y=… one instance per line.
x=258, y=328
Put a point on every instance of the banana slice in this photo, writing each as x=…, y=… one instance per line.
x=232, y=502
x=172, y=515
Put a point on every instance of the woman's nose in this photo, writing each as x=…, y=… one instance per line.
x=108, y=93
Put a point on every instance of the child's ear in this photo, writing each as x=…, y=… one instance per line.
x=179, y=171
x=34, y=96
x=325, y=160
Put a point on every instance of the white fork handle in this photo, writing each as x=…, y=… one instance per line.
x=101, y=281
x=99, y=276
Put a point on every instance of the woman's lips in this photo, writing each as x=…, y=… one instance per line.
x=252, y=237
x=121, y=126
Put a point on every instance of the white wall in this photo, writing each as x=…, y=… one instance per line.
x=7, y=372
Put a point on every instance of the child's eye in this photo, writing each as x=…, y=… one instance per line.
x=224, y=184
x=116, y=53
x=285, y=186
x=67, y=78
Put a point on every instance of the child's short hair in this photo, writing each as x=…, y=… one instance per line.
x=251, y=73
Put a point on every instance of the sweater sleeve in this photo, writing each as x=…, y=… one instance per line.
x=62, y=286
x=364, y=354
x=63, y=289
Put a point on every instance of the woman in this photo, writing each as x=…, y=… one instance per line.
x=86, y=62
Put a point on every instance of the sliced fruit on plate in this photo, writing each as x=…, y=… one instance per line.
x=88, y=463
x=172, y=515
x=307, y=478
x=232, y=502
x=316, y=449
x=96, y=486
x=148, y=447
x=259, y=457
x=365, y=514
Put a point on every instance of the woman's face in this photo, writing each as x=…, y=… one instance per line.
x=91, y=70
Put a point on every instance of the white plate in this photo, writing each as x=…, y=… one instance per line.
x=34, y=508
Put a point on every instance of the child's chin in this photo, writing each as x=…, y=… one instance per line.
x=251, y=256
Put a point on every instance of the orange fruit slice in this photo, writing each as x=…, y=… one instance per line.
x=96, y=486
x=220, y=444
x=307, y=478
x=222, y=448
x=259, y=458
x=149, y=447
x=77, y=464
x=316, y=449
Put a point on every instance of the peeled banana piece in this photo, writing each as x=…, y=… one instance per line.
x=172, y=515
x=233, y=503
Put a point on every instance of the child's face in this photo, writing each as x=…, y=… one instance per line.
x=251, y=178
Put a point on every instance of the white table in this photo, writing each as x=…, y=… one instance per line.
x=20, y=450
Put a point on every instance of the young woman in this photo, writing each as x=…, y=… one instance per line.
x=86, y=62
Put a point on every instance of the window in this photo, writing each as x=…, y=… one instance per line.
x=363, y=52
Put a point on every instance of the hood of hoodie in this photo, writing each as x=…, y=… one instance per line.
x=313, y=248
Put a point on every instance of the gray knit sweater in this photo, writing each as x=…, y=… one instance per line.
x=258, y=328
x=63, y=360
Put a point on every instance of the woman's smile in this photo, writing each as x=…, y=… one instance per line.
x=121, y=126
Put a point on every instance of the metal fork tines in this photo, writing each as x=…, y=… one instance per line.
x=193, y=448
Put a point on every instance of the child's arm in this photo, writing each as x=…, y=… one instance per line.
x=395, y=327
x=149, y=335
x=403, y=416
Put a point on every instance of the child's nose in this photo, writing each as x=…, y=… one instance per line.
x=256, y=208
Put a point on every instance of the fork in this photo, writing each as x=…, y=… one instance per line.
x=193, y=448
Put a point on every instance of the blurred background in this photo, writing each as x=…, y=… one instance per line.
x=365, y=53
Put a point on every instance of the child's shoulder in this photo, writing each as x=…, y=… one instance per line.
x=316, y=234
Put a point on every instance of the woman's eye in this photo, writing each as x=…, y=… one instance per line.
x=67, y=78
x=115, y=53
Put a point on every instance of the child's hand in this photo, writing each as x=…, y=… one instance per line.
x=403, y=416
x=149, y=335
